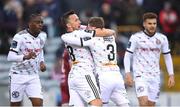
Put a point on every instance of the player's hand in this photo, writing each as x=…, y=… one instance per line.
x=171, y=81
x=42, y=66
x=30, y=55
x=128, y=79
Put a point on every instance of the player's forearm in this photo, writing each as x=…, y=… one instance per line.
x=169, y=64
x=127, y=64
x=104, y=32
x=72, y=40
x=41, y=56
x=12, y=56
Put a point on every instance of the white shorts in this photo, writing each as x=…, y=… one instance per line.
x=112, y=87
x=148, y=87
x=24, y=84
x=82, y=87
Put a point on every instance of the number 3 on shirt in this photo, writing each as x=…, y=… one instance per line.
x=70, y=50
x=111, y=56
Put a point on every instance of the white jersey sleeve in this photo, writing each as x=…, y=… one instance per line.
x=132, y=44
x=16, y=43
x=77, y=37
x=43, y=38
x=165, y=46
x=14, y=49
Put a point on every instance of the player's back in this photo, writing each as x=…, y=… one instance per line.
x=104, y=52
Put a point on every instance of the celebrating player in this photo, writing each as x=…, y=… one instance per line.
x=81, y=80
x=26, y=53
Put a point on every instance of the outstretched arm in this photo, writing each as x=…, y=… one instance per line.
x=104, y=32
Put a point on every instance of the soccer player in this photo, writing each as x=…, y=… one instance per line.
x=26, y=53
x=82, y=84
x=145, y=48
x=108, y=74
x=65, y=68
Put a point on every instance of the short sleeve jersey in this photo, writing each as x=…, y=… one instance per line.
x=22, y=43
x=146, y=52
x=104, y=52
x=79, y=55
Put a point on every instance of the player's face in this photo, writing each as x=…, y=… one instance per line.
x=36, y=25
x=74, y=22
x=150, y=26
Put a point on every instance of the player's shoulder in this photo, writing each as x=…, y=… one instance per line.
x=20, y=34
x=137, y=35
x=43, y=36
x=160, y=34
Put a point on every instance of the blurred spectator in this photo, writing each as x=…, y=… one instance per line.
x=152, y=5
x=168, y=18
x=105, y=12
x=10, y=20
x=52, y=10
x=30, y=6
x=134, y=13
x=118, y=11
x=85, y=14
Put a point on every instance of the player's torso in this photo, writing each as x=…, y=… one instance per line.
x=80, y=56
x=147, y=53
x=104, y=53
x=26, y=44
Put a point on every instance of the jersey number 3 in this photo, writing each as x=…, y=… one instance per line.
x=111, y=56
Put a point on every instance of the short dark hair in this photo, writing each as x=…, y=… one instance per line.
x=64, y=18
x=33, y=16
x=97, y=22
x=149, y=15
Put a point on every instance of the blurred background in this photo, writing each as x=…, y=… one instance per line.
x=124, y=16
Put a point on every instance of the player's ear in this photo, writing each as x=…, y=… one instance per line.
x=144, y=24
x=68, y=25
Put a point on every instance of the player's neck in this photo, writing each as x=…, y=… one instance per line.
x=32, y=33
x=148, y=33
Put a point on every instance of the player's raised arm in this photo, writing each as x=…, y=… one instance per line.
x=104, y=32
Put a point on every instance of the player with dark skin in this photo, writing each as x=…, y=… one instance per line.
x=35, y=25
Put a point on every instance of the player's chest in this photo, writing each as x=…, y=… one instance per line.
x=149, y=43
x=31, y=43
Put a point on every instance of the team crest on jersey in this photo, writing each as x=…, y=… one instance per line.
x=15, y=94
x=13, y=44
x=158, y=41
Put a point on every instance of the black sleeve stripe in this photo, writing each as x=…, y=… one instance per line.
x=81, y=42
x=167, y=52
x=13, y=50
x=94, y=33
x=129, y=51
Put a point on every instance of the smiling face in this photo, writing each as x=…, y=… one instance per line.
x=150, y=26
x=73, y=22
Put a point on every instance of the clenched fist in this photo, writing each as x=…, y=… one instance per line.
x=30, y=55
x=42, y=66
